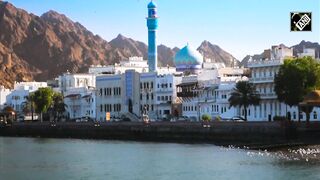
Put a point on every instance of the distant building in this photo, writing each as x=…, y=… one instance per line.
x=308, y=52
x=3, y=96
x=80, y=103
x=70, y=81
x=133, y=63
x=132, y=94
x=21, y=91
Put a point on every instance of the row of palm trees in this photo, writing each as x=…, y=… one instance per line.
x=55, y=109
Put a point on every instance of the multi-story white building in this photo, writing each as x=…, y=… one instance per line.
x=70, y=81
x=262, y=76
x=207, y=89
x=118, y=95
x=21, y=91
x=80, y=103
x=131, y=94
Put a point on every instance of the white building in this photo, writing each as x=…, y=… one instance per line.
x=308, y=52
x=262, y=76
x=81, y=103
x=133, y=63
x=70, y=81
x=207, y=88
x=131, y=94
x=21, y=91
x=3, y=96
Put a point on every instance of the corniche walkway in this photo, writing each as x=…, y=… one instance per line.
x=256, y=135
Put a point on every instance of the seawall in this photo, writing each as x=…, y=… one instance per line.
x=251, y=134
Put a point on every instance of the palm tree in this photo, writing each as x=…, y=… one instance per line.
x=244, y=94
x=28, y=106
x=59, y=106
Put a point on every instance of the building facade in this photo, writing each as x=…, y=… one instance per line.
x=18, y=96
x=263, y=72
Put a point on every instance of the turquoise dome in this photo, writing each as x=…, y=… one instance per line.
x=152, y=5
x=188, y=57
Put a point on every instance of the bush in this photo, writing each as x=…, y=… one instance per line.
x=218, y=118
x=279, y=118
x=206, y=117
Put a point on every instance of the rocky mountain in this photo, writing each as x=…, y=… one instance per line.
x=216, y=54
x=306, y=44
x=296, y=49
x=43, y=47
x=51, y=44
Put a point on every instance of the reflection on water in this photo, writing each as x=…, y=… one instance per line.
x=36, y=158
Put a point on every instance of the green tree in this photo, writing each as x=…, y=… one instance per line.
x=43, y=99
x=59, y=107
x=295, y=78
x=244, y=94
x=29, y=105
x=206, y=117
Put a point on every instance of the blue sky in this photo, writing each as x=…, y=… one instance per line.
x=240, y=27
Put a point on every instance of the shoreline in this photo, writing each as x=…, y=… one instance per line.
x=254, y=135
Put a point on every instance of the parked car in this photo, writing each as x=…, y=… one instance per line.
x=237, y=118
x=20, y=118
x=183, y=118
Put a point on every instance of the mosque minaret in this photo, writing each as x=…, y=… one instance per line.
x=152, y=23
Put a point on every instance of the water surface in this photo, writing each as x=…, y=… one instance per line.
x=36, y=158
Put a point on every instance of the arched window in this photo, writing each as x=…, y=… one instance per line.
x=315, y=115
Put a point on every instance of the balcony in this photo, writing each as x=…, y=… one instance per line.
x=268, y=96
x=262, y=79
x=264, y=63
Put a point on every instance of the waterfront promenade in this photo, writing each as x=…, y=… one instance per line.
x=250, y=134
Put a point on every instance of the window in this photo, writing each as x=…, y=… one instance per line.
x=101, y=107
x=158, y=97
x=151, y=85
x=105, y=91
x=170, y=85
x=140, y=85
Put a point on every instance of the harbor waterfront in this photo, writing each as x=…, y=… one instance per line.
x=42, y=158
x=256, y=135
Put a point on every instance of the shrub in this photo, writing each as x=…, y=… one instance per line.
x=206, y=117
x=218, y=118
